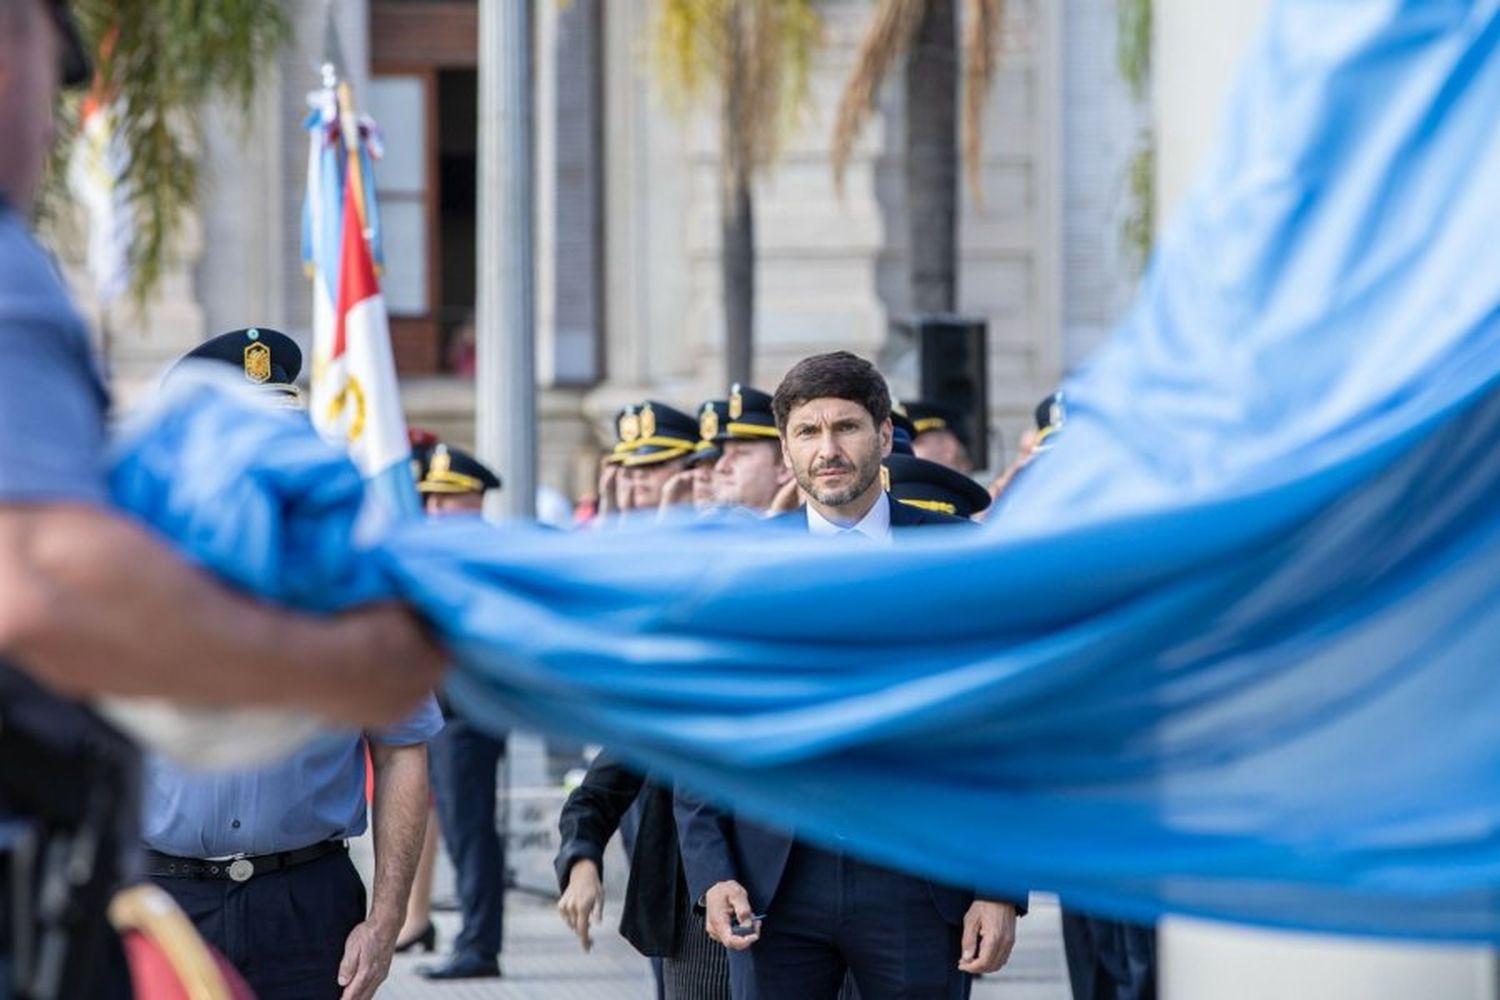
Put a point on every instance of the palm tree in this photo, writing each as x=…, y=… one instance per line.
x=157, y=62
x=755, y=55
x=926, y=32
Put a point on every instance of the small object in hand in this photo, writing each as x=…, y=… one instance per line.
x=746, y=929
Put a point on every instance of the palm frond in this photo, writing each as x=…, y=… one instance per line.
x=1133, y=45
x=981, y=53
x=157, y=62
x=754, y=53
x=892, y=27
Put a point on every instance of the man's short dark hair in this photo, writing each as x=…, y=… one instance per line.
x=838, y=375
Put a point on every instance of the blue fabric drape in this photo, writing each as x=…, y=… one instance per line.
x=1226, y=648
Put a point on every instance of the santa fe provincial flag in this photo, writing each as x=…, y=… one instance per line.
x=355, y=397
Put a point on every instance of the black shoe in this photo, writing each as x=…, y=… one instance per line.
x=461, y=968
x=427, y=941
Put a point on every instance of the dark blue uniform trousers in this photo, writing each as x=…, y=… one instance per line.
x=1109, y=959
x=284, y=931
x=462, y=762
x=834, y=914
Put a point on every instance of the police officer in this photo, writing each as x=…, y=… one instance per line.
x=258, y=859
x=919, y=483
x=463, y=764
x=656, y=441
x=711, y=416
x=268, y=361
x=656, y=445
x=93, y=604
x=750, y=471
x=940, y=436
x=613, y=497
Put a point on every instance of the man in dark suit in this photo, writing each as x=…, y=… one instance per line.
x=827, y=913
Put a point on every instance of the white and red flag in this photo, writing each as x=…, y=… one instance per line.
x=356, y=400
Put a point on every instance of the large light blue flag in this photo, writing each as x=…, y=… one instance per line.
x=1229, y=647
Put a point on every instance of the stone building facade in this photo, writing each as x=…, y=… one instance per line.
x=627, y=254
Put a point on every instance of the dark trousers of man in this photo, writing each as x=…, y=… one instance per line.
x=462, y=762
x=1108, y=959
x=284, y=931
x=834, y=914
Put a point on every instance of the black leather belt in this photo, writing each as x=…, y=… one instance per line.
x=240, y=869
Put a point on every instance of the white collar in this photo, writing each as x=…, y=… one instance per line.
x=875, y=525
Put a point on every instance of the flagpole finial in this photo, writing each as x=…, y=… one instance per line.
x=332, y=63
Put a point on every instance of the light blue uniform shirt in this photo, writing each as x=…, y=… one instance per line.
x=316, y=794
x=52, y=410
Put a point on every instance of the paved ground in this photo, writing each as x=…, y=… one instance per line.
x=542, y=961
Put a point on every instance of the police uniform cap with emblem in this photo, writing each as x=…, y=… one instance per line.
x=748, y=416
x=712, y=415
x=268, y=359
x=422, y=442
x=903, y=432
x=627, y=428
x=1050, y=417
x=928, y=417
x=656, y=432
x=453, y=470
x=930, y=486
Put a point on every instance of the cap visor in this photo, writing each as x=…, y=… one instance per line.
x=76, y=68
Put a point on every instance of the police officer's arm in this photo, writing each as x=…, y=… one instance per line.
x=92, y=603
x=398, y=817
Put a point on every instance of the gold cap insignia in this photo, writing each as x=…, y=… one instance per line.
x=630, y=427
x=885, y=479
x=648, y=421
x=708, y=423
x=736, y=402
x=440, y=462
x=258, y=363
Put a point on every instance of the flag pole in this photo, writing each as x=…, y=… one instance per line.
x=505, y=379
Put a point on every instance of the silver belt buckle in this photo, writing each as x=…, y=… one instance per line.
x=240, y=869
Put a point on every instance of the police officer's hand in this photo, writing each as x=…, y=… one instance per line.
x=677, y=490
x=726, y=904
x=379, y=663
x=1024, y=450
x=609, y=477
x=788, y=498
x=989, y=935
x=367, y=958
x=582, y=902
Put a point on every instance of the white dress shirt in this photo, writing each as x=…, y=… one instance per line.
x=875, y=525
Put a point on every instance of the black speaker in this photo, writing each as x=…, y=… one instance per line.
x=953, y=369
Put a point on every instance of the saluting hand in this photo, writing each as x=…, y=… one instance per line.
x=989, y=936
x=677, y=490
x=582, y=902
x=609, y=474
x=788, y=498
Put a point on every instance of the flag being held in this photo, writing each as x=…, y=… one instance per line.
x=355, y=397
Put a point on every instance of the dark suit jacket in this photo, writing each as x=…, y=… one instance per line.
x=903, y=515
x=716, y=847
x=655, y=893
